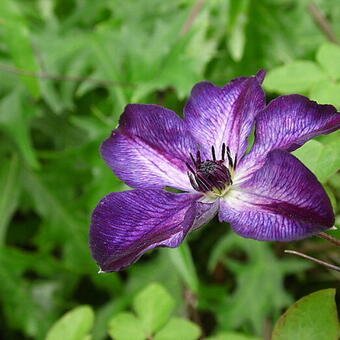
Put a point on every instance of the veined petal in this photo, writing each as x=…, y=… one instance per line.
x=287, y=123
x=218, y=115
x=150, y=147
x=282, y=201
x=127, y=224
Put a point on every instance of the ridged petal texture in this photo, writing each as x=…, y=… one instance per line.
x=149, y=148
x=287, y=123
x=282, y=201
x=127, y=224
x=217, y=115
x=274, y=197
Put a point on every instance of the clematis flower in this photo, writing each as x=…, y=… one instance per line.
x=266, y=194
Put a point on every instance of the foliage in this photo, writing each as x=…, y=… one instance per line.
x=67, y=69
x=312, y=317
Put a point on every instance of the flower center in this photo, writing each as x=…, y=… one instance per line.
x=212, y=176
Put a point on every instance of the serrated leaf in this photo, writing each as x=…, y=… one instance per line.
x=328, y=57
x=314, y=317
x=179, y=329
x=298, y=76
x=15, y=119
x=10, y=185
x=53, y=209
x=74, y=325
x=126, y=326
x=237, y=28
x=17, y=37
x=110, y=68
x=153, y=306
x=262, y=272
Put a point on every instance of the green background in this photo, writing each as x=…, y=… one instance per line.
x=67, y=69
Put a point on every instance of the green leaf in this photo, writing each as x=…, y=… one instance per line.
x=314, y=317
x=182, y=260
x=326, y=92
x=153, y=305
x=54, y=210
x=125, y=326
x=322, y=158
x=179, y=329
x=15, y=117
x=328, y=57
x=17, y=37
x=231, y=336
x=262, y=272
x=298, y=76
x=238, y=22
x=10, y=185
x=74, y=325
x=110, y=67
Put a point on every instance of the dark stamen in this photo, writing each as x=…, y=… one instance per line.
x=202, y=184
x=198, y=157
x=213, y=153
x=189, y=167
x=211, y=174
x=193, y=159
x=235, y=161
x=230, y=160
x=223, y=151
x=193, y=182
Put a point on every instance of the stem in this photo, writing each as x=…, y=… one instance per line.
x=325, y=264
x=322, y=22
x=190, y=299
x=192, y=16
x=60, y=77
x=330, y=238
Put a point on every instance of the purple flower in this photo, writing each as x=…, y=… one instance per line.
x=266, y=194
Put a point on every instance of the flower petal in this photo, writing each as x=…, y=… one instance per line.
x=282, y=201
x=287, y=123
x=150, y=147
x=218, y=115
x=127, y=224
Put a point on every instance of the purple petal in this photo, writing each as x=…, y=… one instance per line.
x=150, y=147
x=287, y=123
x=218, y=115
x=282, y=201
x=127, y=224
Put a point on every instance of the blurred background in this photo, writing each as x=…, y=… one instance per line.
x=67, y=69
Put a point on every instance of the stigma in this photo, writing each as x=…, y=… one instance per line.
x=212, y=176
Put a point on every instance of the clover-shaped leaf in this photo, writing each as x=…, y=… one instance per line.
x=180, y=329
x=328, y=57
x=74, y=325
x=153, y=306
x=126, y=326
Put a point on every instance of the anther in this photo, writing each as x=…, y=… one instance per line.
x=235, y=161
x=189, y=167
x=198, y=157
x=223, y=151
x=213, y=153
x=193, y=159
x=230, y=160
x=211, y=175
